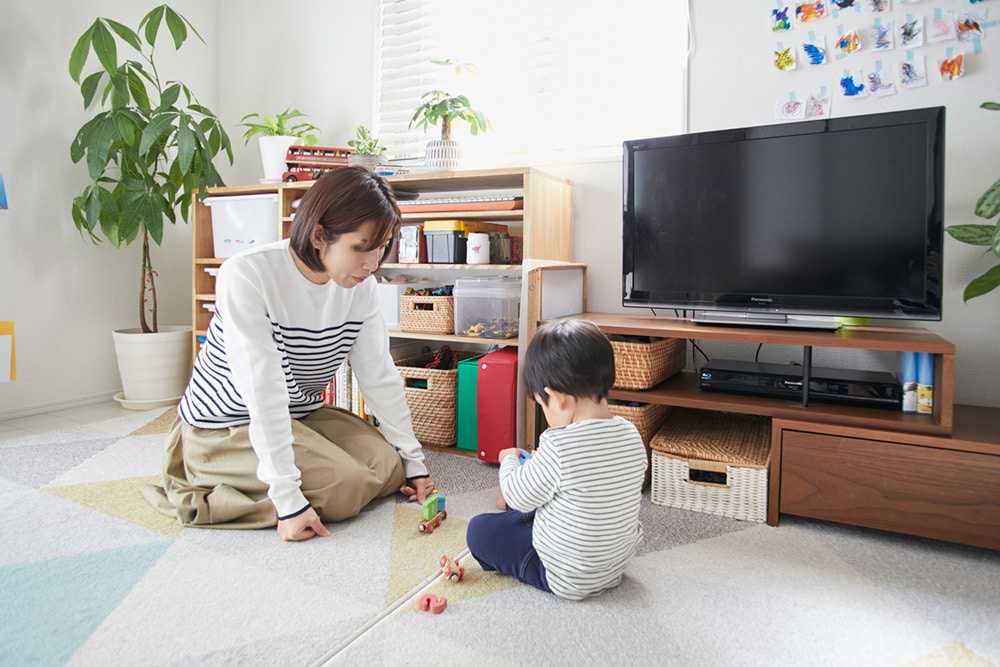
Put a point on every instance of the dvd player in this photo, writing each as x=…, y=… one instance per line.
x=868, y=388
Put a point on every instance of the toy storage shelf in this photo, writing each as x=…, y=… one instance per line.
x=394, y=332
x=420, y=268
x=546, y=227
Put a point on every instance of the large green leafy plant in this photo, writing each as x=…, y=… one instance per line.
x=987, y=207
x=443, y=107
x=146, y=151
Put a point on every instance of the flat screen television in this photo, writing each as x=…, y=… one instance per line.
x=839, y=217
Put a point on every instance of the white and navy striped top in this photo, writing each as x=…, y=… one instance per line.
x=585, y=481
x=274, y=343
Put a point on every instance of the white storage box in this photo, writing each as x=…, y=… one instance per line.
x=243, y=221
x=713, y=462
x=487, y=307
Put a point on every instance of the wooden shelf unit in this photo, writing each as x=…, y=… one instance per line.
x=546, y=227
x=934, y=476
x=683, y=390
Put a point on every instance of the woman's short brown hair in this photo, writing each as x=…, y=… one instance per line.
x=340, y=202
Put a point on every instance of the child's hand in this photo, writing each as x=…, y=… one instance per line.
x=510, y=451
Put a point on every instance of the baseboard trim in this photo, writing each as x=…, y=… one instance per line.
x=56, y=406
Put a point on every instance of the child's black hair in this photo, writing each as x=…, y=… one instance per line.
x=572, y=357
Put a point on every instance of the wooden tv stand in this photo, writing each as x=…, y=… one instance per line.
x=933, y=475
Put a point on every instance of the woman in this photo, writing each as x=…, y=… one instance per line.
x=253, y=444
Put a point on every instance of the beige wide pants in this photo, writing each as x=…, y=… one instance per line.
x=210, y=475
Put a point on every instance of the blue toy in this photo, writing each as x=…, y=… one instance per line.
x=523, y=457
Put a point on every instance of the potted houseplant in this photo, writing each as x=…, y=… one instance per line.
x=988, y=207
x=367, y=150
x=147, y=152
x=276, y=135
x=440, y=106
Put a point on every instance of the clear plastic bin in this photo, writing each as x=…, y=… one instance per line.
x=243, y=221
x=487, y=307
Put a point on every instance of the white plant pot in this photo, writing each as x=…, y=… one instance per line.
x=445, y=155
x=272, y=155
x=370, y=162
x=154, y=366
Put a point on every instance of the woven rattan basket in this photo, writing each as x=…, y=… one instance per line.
x=647, y=419
x=645, y=365
x=713, y=462
x=427, y=314
x=433, y=405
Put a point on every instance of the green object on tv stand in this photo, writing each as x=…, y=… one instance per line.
x=468, y=374
x=854, y=321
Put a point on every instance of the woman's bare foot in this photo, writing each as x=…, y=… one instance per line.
x=501, y=503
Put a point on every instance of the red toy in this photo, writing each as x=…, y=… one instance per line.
x=496, y=399
x=451, y=569
x=432, y=603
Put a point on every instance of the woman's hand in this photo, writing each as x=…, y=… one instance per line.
x=417, y=489
x=302, y=527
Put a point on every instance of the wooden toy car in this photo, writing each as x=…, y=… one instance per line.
x=433, y=512
x=451, y=569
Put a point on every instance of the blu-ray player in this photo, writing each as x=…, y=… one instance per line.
x=869, y=388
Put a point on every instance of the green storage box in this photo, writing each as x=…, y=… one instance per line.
x=468, y=371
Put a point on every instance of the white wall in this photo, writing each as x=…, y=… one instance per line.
x=734, y=84
x=65, y=295
x=315, y=55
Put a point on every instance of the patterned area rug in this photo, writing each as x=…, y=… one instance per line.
x=89, y=574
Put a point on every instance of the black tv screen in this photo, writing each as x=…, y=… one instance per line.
x=834, y=217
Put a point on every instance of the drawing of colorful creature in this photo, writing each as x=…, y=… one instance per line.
x=810, y=11
x=909, y=32
x=953, y=68
x=815, y=52
x=969, y=26
x=784, y=59
x=780, y=21
x=850, y=87
x=849, y=43
x=909, y=75
x=879, y=87
x=817, y=107
x=883, y=36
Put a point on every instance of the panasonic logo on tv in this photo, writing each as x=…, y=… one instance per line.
x=758, y=299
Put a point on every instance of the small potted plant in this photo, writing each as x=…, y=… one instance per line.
x=276, y=135
x=368, y=151
x=443, y=107
x=988, y=207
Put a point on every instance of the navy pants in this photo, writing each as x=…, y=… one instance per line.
x=502, y=542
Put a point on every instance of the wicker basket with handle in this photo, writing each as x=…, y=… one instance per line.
x=427, y=314
x=647, y=419
x=645, y=365
x=714, y=462
x=432, y=395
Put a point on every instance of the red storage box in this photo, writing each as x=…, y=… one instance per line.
x=496, y=400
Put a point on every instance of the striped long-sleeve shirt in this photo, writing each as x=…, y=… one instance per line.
x=274, y=343
x=585, y=481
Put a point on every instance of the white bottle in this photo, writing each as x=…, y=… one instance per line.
x=477, y=248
